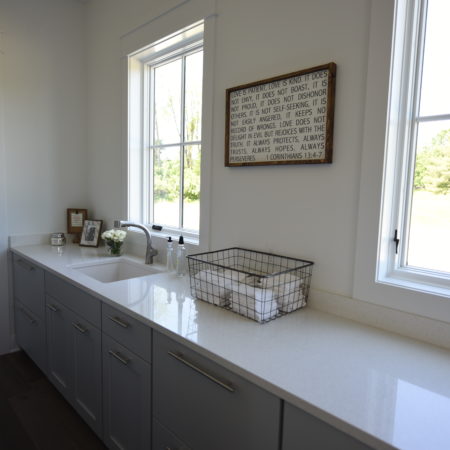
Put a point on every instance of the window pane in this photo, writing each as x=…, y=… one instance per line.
x=193, y=99
x=191, y=197
x=166, y=186
x=435, y=97
x=429, y=241
x=167, y=114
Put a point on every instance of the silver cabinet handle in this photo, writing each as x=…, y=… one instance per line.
x=119, y=321
x=179, y=357
x=120, y=357
x=28, y=316
x=52, y=307
x=79, y=327
x=25, y=265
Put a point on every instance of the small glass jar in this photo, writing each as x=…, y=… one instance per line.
x=57, y=239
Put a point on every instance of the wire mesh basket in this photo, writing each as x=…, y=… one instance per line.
x=257, y=285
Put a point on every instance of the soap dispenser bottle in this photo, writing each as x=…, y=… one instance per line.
x=170, y=264
x=181, y=258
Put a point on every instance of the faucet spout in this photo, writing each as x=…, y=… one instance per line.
x=150, y=250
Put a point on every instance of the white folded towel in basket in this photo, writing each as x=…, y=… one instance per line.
x=212, y=287
x=256, y=303
x=288, y=290
x=215, y=287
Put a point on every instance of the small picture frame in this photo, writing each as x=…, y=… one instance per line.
x=90, y=236
x=75, y=220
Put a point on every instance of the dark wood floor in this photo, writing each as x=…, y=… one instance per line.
x=33, y=415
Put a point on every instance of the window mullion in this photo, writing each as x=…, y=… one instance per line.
x=436, y=118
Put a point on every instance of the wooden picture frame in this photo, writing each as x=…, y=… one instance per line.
x=90, y=235
x=287, y=119
x=75, y=220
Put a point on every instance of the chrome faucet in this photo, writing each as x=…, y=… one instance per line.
x=150, y=251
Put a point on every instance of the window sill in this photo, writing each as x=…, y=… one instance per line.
x=165, y=234
x=410, y=280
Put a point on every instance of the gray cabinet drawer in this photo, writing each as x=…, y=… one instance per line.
x=29, y=285
x=207, y=406
x=163, y=439
x=128, y=331
x=302, y=431
x=30, y=334
x=74, y=298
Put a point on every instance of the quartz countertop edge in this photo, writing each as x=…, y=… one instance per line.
x=367, y=382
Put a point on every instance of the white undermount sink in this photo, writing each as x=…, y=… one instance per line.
x=110, y=270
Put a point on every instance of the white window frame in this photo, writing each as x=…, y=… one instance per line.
x=403, y=120
x=137, y=205
x=186, y=48
x=373, y=240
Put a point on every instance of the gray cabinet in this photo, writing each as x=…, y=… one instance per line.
x=30, y=334
x=208, y=407
x=128, y=331
x=304, y=431
x=107, y=377
x=29, y=312
x=126, y=397
x=58, y=347
x=29, y=285
x=74, y=298
x=74, y=361
x=163, y=439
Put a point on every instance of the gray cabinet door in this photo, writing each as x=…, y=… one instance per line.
x=86, y=367
x=59, y=347
x=29, y=285
x=74, y=361
x=126, y=398
x=304, y=431
x=30, y=334
x=207, y=406
x=163, y=439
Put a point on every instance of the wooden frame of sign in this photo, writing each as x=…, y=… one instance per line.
x=287, y=119
x=75, y=221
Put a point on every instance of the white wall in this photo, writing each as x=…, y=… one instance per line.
x=306, y=211
x=43, y=122
x=61, y=121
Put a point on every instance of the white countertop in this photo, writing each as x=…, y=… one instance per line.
x=383, y=389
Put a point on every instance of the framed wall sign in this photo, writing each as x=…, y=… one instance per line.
x=287, y=119
x=90, y=235
x=75, y=220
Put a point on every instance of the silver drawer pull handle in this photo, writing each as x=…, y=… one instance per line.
x=25, y=265
x=179, y=357
x=79, y=327
x=31, y=319
x=120, y=357
x=119, y=322
x=52, y=307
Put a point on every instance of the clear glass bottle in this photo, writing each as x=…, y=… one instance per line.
x=181, y=258
x=170, y=263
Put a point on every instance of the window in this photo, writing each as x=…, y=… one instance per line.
x=164, y=132
x=415, y=228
